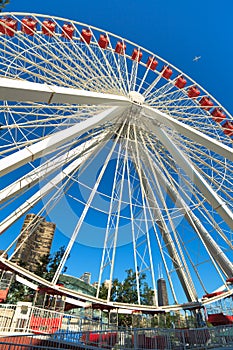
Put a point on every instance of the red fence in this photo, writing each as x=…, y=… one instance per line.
x=45, y=324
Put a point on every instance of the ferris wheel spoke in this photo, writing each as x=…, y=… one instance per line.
x=216, y=202
x=50, y=166
x=106, y=71
x=213, y=248
x=152, y=86
x=83, y=215
x=18, y=90
x=193, y=134
x=106, y=258
x=171, y=187
x=52, y=142
x=44, y=190
x=183, y=274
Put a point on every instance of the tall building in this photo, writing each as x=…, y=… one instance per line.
x=162, y=292
x=34, y=242
x=86, y=277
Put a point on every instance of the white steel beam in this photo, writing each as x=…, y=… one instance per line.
x=192, y=133
x=210, y=194
x=33, y=177
x=52, y=142
x=43, y=191
x=85, y=209
x=183, y=274
x=220, y=258
x=23, y=90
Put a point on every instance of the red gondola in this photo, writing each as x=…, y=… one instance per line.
x=228, y=128
x=193, y=92
x=67, y=31
x=120, y=48
x=136, y=55
x=152, y=63
x=48, y=27
x=166, y=72
x=28, y=26
x=86, y=36
x=8, y=26
x=180, y=82
x=218, y=115
x=103, y=41
x=206, y=103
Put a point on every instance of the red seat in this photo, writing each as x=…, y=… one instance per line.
x=218, y=115
x=151, y=63
x=136, y=55
x=67, y=31
x=103, y=41
x=8, y=26
x=48, y=27
x=86, y=36
x=120, y=48
x=28, y=26
x=228, y=128
x=193, y=92
x=166, y=72
x=206, y=103
x=180, y=82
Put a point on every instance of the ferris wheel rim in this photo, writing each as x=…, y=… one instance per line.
x=117, y=36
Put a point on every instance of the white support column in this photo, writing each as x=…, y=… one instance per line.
x=192, y=133
x=34, y=199
x=52, y=142
x=85, y=211
x=22, y=90
x=220, y=258
x=184, y=276
x=39, y=173
x=183, y=162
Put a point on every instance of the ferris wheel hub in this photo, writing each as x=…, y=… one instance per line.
x=136, y=97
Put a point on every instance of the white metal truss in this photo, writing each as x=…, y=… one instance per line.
x=215, y=251
x=217, y=203
x=48, y=167
x=21, y=90
x=183, y=273
x=52, y=142
x=195, y=135
x=83, y=215
x=44, y=190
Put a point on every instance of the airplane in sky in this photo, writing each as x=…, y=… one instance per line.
x=196, y=58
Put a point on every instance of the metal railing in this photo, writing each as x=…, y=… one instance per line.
x=220, y=337
x=26, y=318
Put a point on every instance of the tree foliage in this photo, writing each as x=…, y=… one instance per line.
x=126, y=292
x=46, y=269
x=3, y=4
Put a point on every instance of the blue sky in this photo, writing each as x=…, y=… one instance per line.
x=176, y=30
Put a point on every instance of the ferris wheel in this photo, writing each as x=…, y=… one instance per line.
x=128, y=156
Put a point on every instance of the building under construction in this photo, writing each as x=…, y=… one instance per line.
x=34, y=242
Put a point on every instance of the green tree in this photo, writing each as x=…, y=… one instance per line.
x=46, y=269
x=48, y=264
x=126, y=292
x=3, y=4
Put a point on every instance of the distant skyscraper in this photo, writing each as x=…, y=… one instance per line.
x=162, y=292
x=35, y=241
x=86, y=277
